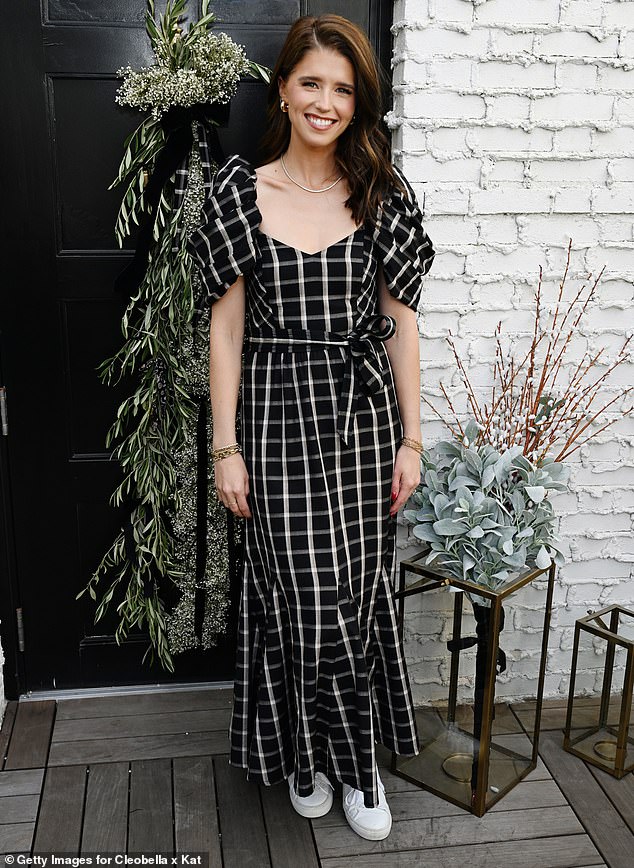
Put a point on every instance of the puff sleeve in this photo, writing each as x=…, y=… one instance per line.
x=223, y=246
x=402, y=243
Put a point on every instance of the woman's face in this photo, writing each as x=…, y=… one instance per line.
x=321, y=96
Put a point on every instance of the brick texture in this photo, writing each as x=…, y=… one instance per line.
x=515, y=124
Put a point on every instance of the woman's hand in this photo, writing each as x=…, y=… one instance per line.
x=405, y=478
x=232, y=484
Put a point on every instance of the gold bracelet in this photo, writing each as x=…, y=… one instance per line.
x=225, y=451
x=414, y=444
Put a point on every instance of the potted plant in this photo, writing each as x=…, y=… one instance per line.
x=482, y=506
x=483, y=510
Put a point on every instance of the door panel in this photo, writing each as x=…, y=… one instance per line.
x=59, y=316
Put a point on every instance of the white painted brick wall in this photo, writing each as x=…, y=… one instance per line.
x=515, y=123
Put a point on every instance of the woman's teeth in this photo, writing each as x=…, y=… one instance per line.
x=320, y=122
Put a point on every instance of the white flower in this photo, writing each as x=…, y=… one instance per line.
x=211, y=75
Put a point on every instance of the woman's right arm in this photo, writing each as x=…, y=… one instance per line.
x=226, y=336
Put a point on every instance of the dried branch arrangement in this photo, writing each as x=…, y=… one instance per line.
x=529, y=404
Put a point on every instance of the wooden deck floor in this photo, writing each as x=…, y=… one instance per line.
x=148, y=772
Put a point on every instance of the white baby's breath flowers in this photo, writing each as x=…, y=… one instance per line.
x=211, y=75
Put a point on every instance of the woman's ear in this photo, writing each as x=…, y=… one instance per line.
x=281, y=86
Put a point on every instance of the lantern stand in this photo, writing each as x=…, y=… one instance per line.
x=596, y=738
x=467, y=773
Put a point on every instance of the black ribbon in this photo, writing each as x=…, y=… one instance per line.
x=482, y=628
x=177, y=123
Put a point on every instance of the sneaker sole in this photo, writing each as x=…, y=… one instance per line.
x=369, y=834
x=314, y=811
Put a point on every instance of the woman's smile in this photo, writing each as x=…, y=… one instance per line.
x=320, y=123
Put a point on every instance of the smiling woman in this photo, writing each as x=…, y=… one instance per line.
x=314, y=260
x=320, y=108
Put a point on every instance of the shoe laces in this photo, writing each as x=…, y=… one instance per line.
x=355, y=798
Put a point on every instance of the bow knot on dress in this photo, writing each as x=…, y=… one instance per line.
x=366, y=363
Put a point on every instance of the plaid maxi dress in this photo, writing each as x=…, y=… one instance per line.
x=320, y=674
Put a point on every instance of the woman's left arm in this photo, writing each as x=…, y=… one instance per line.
x=403, y=350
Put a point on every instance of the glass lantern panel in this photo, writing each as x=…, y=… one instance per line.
x=625, y=627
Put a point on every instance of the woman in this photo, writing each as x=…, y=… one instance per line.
x=314, y=261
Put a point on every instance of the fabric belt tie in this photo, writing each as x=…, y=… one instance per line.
x=364, y=363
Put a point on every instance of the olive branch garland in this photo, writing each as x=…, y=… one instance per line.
x=155, y=325
x=153, y=424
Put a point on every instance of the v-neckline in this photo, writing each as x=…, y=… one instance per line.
x=317, y=252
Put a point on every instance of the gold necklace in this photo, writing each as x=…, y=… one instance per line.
x=308, y=189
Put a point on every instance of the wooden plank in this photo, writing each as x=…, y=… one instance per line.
x=61, y=809
x=150, y=817
x=554, y=713
x=601, y=819
x=19, y=809
x=144, y=703
x=195, y=808
x=7, y=726
x=244, y=843
x=290, y=836
x=620, y=793
x=28, y=747
x=531, y=794
x=564, y=852
x=118, y=726
x=423, y=834
x=106, y=812
x=138, y=747
x=539, y=773
x=21, y=782
x=16, y=838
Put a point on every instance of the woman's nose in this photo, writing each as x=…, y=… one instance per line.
x=324, y=100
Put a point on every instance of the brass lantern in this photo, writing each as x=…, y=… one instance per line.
x=598, y=727
x=472, y=751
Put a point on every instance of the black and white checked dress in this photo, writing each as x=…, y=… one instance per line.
x=320, y=673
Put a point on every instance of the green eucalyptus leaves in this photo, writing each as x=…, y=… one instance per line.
x=486, y=514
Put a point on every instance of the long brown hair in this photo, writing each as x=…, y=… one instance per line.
x=363, y=151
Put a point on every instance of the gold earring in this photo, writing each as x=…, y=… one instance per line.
x=284, y=106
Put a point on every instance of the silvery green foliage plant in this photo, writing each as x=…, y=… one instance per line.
x=486, y=514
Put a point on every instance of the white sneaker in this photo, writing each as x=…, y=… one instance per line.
x=320, y=800
x=374, y=824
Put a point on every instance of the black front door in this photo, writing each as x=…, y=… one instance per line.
x=60, y=147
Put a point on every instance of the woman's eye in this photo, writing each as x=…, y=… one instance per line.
x=345, y=90
x=310, y=83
